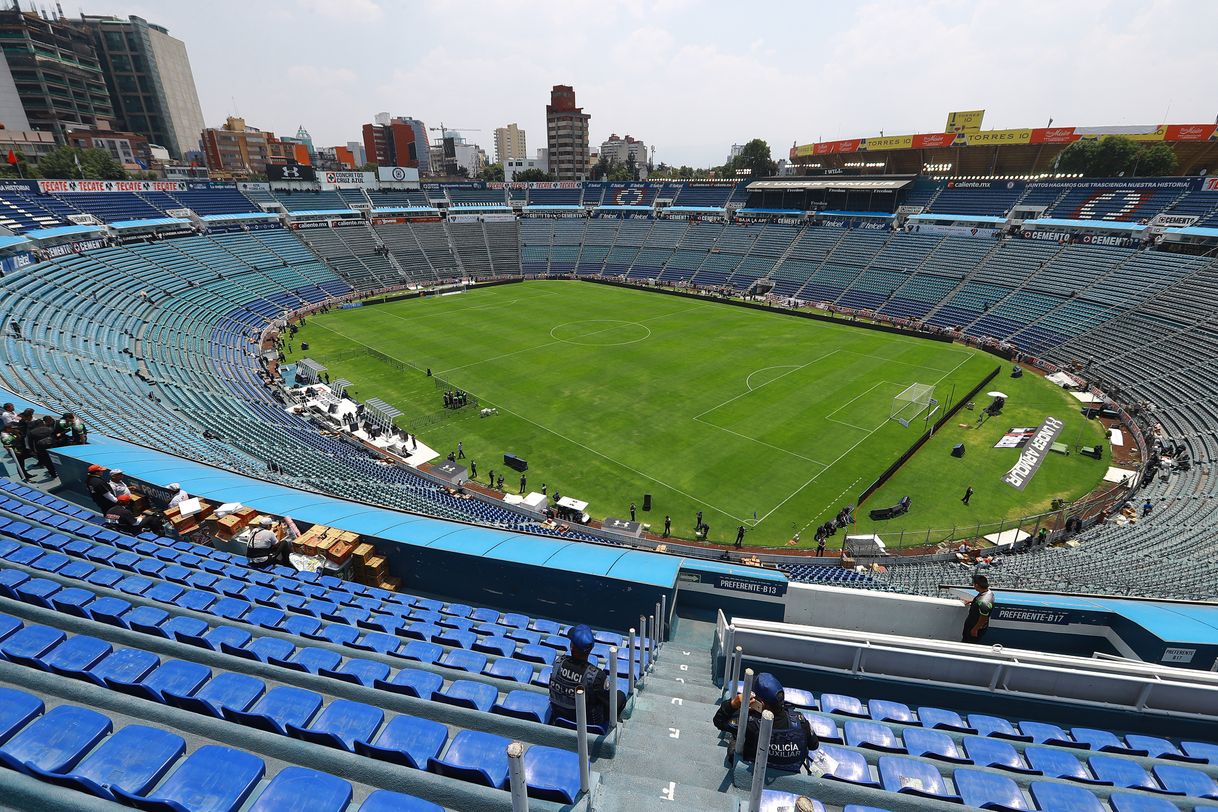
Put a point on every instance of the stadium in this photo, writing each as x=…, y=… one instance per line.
x=377, y=490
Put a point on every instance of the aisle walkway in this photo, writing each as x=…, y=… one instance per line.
x=669, y=755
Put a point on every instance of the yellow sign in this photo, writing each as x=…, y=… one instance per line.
x=982, y=138
x=804, y=150
x=890, y=142
x=1159, y=134
x=964, y=121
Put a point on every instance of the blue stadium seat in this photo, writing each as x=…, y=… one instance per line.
x=988, y=790
x=1122, y=772
x=932, y=744
x=193, y=785
x=303, y=790
x=986, y=752
x=474, y=756
x=1187, y=780
x=172, y=676
x=824, y=727
x=55, y=741
x=27, y=645
x=1058, y=764
x=996, y=726
x=1128, y=802
x=887, y=711
x=465, y=693
x=529, y=705
x=846, y=765
x=385, y=801
x=281, y=706
x=796, y=696
x=406, y=740
x=872, y=736
x=1044, y=733
x=1157, y=747
x=552, y=774
x=840, y=703
x=132, y=760
x=226, y=691
x=1201, y=750
x=359, y=672
x=1103, y=740
x=75, y=655
x=17, y=709
x=912, y=777
x=509, y=669
x=943, y=719
x=413, y=682
x=340, y=725
x=1064, y=797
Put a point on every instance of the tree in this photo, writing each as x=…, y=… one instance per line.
x=1116, y=155
x=532, y=176
x=69, y=162
x=755, y=157
x=600, y=170
x=492, y=173
x=1156, y=159
x=22, y=169
x=632, y=167
x=368, y=167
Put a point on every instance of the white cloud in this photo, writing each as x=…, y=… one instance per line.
x=352, y=11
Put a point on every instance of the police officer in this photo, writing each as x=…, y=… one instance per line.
x=792, y=737
x=573, y=672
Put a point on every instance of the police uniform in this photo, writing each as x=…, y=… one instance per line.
x=791, y=738
x=572, y=672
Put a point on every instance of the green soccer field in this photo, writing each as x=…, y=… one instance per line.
x=754, y=418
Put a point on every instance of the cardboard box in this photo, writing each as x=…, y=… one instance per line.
x=339, y=552
x=228, y=527
x=389, y=582
x=375, y=566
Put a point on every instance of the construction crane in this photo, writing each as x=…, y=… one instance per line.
x=450, y=163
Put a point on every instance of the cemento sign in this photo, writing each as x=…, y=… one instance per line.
x=1034, y=454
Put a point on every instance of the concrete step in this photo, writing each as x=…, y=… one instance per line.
x=620, y=792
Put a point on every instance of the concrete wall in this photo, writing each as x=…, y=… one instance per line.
x=879, y=612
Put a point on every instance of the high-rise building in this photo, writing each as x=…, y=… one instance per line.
x=56, y=71
x=625, y=151
x=358, y=156
x=566, y=135
x=238, y=151
x=397, y=141
x=509, y=144
x=150, y=81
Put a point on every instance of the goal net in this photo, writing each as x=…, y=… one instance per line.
x=917, y=400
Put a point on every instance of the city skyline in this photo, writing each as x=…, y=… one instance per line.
x=691, y=78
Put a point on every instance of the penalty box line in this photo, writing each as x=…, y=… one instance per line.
x=842, y=456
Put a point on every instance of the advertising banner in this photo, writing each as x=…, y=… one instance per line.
x=963, y=121
x=1034, y=454
x=334, y=180
x=291, y=172
x=987, y=138
x=46, y=186
x=397, y=174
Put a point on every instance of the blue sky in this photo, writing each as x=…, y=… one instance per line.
x=693, y=77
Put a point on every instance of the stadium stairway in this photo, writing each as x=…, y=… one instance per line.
x=668, y=755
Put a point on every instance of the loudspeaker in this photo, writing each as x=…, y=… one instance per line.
x=646, y=501
x=958, y=450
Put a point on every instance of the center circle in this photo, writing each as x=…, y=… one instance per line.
x=600, y=332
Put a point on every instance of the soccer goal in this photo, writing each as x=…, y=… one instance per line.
x=917, y=400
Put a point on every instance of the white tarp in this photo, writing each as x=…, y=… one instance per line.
x=1062, y=379
x=1086, y=397
x=1006, y=537
x=1118, y=474
x=1115, y=437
